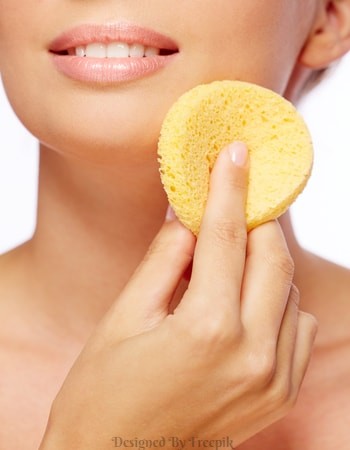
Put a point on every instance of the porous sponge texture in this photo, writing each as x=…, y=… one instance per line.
x=206, y=119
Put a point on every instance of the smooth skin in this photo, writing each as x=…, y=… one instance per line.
x=211, y=369
x=100, y=206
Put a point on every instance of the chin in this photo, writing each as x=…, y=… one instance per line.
x=119, y=147
x=105, y=127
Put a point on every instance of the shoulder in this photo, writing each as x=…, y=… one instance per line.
x=330, y=302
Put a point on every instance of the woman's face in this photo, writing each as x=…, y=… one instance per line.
x=114, y=114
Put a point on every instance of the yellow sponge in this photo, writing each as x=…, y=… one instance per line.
x=207, y=118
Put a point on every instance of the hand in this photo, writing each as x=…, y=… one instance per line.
x=229, y=360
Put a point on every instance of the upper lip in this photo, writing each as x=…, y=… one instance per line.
x=111, y=32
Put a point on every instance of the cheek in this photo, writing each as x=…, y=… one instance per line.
x=24, y=85
x=254, y=40
x=104, y=124
x=225, y=39
x=21, y=49
x=107, y=125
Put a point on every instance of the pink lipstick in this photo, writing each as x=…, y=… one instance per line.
x=111, y=53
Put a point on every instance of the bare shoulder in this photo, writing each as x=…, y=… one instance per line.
x=31, y=368
x=321, y=416
x=13, y=271
x=325, y=293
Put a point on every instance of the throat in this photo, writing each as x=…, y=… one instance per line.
x=93, y=229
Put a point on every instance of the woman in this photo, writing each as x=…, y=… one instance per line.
x=231, y=359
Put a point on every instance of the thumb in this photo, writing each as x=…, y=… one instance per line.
x=144, y=302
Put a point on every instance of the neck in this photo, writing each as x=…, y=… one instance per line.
x=286, y=223
x=306, y=264
x=94, y=225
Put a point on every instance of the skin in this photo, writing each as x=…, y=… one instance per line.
x=97, y=179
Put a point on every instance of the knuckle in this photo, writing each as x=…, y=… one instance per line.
x=170, y=240
x=282, y=261
x=229, y=232
x=261, y=369
x=309, y=321
x=215, y=332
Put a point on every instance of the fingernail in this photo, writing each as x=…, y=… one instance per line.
x=170, y=215
x=238, y=153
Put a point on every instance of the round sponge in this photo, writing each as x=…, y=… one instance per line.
x=206, y=119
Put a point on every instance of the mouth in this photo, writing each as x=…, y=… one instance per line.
x=114, y=50
x=111, y=53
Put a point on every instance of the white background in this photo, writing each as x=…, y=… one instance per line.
x=321, y=215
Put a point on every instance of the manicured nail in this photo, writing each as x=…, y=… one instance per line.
x=239, y=153
x=170, y=215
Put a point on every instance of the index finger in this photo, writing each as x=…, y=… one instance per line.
x=220, y=252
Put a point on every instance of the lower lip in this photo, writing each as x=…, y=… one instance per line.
x=109, y=70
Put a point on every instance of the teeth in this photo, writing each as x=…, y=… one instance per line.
x=115, y=50
x=136, y=50
x=151, y=51
x=96, y=51
x=80, y=51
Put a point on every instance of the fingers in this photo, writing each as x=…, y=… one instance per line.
x=267, y=281
x=221, y=246
x=287, y=336
x=295, y=342
x=306, y=333
x=144, y=301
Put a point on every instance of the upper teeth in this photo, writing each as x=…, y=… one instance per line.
x=115, y=50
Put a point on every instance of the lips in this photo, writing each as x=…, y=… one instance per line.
x=72, y=56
